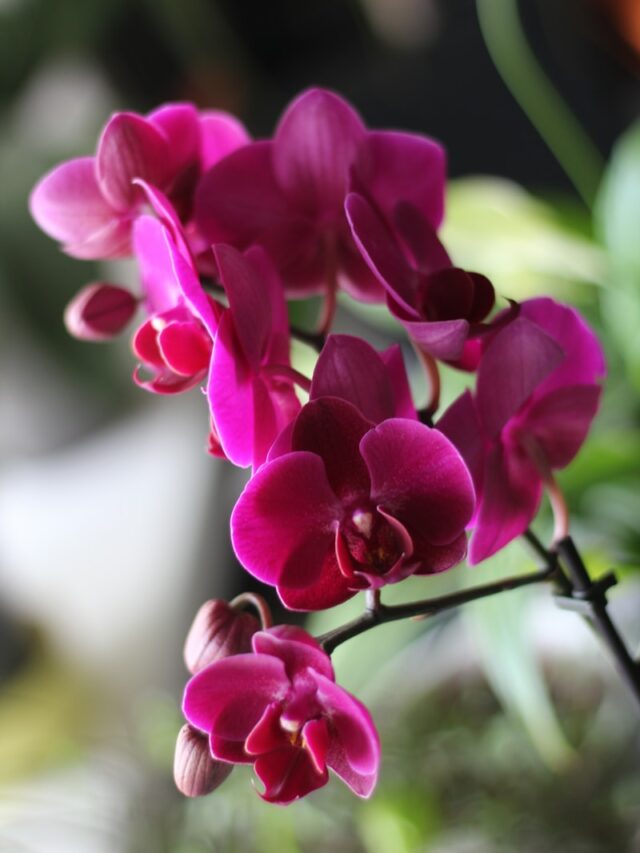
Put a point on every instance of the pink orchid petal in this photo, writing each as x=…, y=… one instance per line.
x=350, y=368
x=227, y=749
x=516, y=361
x=166, y=213
x=239, y=198
x=328, y=589
x=446, y=294
x=288, y=774
x=130, y=147
x=354, y=275
x=420, y=238
x=179, y=124
x=185, y=348
x=439, y=558
x=354, y=749
x=315, y=144
x=230, y=392
x=295, y=648
x=584, y=362
x=228, y=697
x=248, y=302
x=67, y=203
x=397, y=372
x=381, y=252
x=277, y=350
x=398, y=166
x=332, y=429
x=267, y=734
x=419, y=477
x=99, y=312
x=510, y=497
x=461, y=425
x=282, y=525
x=220, y=135
x=166, y=382
x=153, y=251
x=269, y=415
x=145, y=345
x=443, y=340
x=315, y=739
x=559, y=421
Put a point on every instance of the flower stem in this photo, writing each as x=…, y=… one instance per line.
x=252, y=599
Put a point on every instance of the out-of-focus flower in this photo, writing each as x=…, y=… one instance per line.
x=218, y=631
x=89, y=204
x=281, y=710
x=287, y=194
x=538, y=390
x=351, y=506
x=195, y=771
x=440, y=306
x=99, y=311
x=176, y=340
x=250, y=386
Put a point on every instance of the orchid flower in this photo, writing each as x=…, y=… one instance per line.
x=352, y=506
x=280, y=709
x=89, y=204
x=287, y=194
x=537, y=393
x=440, y=306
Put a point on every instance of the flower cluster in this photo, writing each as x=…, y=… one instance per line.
x=351, y=488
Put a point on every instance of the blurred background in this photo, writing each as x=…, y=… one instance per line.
x=504, y=726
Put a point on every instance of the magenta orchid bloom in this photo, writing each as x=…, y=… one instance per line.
x=440, y=306
x=176, y=340
x=287, y=194
x=352, y=506
x=250, y=390
x=281, y=710
x=537, y=393
x=89, y=203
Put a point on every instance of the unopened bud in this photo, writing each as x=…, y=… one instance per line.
x=99, y=312
x=195, y=771
x=218, y=631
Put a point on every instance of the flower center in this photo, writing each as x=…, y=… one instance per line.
x=372, y=542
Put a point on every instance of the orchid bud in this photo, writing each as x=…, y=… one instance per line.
x=195, y=771
x=218, y=631
x=99, y=311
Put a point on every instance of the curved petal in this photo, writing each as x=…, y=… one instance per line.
x=511, y=493
x=354, y=748
x=518, y=358
x=353, y=273
x=282, y=525
x=332, y=429
x=179, y=123
x=420, y=238
x=185, y=347
x=584, y=361
x=295, y=648
x=130, y=147
x=67, y=203
x=238, y=198
x=350, y=368
x=248, y=302
x=328, y=589
x=288, y=774
x=153, y=250
x=220, y=135
x=228, y=697
x=230, y=393
x=444, y=340
x=419, y=477
x=314, y=146
x=396, y=166
x=559, y=421
x=381, y=252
